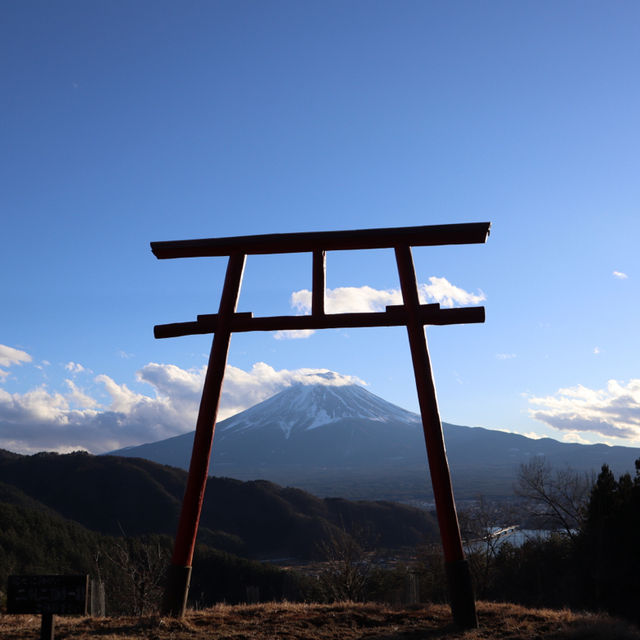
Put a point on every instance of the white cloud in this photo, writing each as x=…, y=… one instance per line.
x=43, y=419
x=505, y=356
x=575, y=437
x=534, y=435
x=367, y=299
x=348, y=299
x=620, y=275
x=10, y=356
x=293, y=334
x=528, y=434
x=448, y=295
x=79, y=398
x=613, y=412
x=596, y=351
x=74, y=367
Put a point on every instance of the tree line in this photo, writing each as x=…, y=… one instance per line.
x=592, y=559
x=590, y=562
x=589, y=559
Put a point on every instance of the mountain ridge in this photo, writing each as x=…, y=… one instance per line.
x=344, y=440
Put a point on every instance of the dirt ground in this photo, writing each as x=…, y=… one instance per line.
x=344, y=621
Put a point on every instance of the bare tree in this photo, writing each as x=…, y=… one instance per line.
x=347, y=567
x=483, y=527
x=142, y=567
x=561, y=494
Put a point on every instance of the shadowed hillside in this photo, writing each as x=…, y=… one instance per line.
x=132, y=496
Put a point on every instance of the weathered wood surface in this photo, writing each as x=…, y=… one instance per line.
x=175, y=598
x=430, y=235
x=395, y=316
x=458, y=576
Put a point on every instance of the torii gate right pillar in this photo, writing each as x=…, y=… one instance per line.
x=463, y=607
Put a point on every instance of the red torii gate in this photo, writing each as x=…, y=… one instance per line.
x=411, y=314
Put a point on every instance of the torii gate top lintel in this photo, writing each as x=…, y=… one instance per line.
x=422, y=236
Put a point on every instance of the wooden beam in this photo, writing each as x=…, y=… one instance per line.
x=207, y=323
x=431, y=235
x=394, y=316
x=460, y=590
x=179, y=574
x=318, y=282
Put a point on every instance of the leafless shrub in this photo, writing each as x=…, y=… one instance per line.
x=561, y=494
x=139, y=576
x=347, y=568
x=481, y=527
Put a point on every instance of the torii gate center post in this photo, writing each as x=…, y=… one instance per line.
x=411, y=314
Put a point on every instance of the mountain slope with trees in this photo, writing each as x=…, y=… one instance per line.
x=38, y=541
x=129, y=496
x=114, y=518
x=594, y=568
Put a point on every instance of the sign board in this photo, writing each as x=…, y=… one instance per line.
x=48, y=594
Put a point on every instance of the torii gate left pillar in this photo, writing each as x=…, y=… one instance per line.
x=411, y=314
x=179, y=573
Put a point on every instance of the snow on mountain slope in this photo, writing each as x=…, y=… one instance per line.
x=305, y=407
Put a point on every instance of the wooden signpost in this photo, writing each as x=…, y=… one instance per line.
x=411, y=314
x=48, y=595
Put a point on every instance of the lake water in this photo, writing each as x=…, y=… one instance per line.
x=516, y=537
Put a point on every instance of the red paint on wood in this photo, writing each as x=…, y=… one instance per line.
x=318, y=283
x=431, y=423
x=394, y=316
x=205, y=426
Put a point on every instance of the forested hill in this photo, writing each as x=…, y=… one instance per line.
x=131, y=496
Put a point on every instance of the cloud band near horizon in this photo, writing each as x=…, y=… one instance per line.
x=74, y=419
x=613, y=412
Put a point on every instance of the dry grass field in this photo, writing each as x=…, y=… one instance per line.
x=344, y=621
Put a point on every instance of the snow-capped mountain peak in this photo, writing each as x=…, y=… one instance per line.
x=305, y=407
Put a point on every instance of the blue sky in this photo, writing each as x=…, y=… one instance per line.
x=128, y=122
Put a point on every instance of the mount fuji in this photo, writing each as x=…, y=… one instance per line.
x=343, y=440
x=303, y=427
